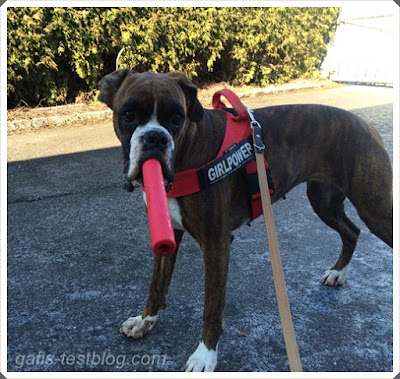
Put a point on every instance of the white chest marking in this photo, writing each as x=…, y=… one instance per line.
x=174, y=210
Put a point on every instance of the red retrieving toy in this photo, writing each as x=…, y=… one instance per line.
x=161, y=231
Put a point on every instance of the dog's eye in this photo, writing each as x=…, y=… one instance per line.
x=129, y=116
x=176, y=120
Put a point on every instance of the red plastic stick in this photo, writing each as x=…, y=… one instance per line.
x=161, y=231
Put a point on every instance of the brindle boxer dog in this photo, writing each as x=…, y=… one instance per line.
x=338, y=154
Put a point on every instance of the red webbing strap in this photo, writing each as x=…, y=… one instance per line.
x=235, y=102
x=185, y=183
x=237, y=128
x=251, y=168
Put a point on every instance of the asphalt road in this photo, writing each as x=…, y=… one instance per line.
x=79, y=264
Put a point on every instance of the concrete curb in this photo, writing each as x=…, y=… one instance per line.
x=53, y=121
x=75, y=118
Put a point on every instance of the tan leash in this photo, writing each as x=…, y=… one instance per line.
x=276, y=264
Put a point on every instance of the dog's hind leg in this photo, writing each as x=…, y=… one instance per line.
x=137, y=327
x=327, y=202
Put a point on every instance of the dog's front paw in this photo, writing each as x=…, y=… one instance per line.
x=334, y=277
x=202, y=359
x=137, y=327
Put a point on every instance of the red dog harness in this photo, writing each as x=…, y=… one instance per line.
x=236, y=150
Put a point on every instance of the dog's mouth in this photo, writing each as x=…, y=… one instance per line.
x=150, y=142
x=135, y=179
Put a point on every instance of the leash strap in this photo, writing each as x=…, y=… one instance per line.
x=276, y=264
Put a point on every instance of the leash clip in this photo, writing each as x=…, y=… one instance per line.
x=256, y=128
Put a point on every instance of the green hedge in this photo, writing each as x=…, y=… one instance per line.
x=57, y=55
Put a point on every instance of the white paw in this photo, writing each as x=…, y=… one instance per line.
x=202, y=359
x=334, y=277
x=137, y=327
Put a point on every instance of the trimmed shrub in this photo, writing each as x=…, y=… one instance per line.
x=56, y=54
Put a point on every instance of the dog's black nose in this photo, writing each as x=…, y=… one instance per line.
x=155, y=139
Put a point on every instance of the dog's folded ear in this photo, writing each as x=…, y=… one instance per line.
x=195, y=109
x=110, y=84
